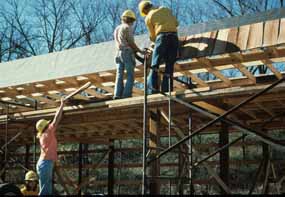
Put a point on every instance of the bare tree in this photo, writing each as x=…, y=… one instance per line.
x=89, y=16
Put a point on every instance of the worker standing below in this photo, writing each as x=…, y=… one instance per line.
x=162, y=27
x=48, y=143
x=125, y=57
x=31, y=184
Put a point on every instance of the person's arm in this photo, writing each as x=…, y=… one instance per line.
x=150, y=29
x=58, y=114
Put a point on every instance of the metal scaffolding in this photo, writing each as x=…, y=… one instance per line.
x=267, y=140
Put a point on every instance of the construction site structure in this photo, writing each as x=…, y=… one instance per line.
x=243, y=110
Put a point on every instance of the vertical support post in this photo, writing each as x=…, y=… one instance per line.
x=35, y=141
x=169, y=111
x=6, y=140
x=27, y=156
x=190, y=150
x=224, y=155
x=266, y=157
x=145, y=131
x=154, y=124
x=80, y=151
x=181, y=165
x=85, y=162
x=111, y=169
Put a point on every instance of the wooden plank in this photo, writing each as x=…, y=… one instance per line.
x=98, y=82
x=244, y=70
x=281, y=37
x=211, y=43
x=210, y=107
x=221, y=42
x=269, y=64
x=255, y=36
x=190, y=46
x=250, y=114
x=195, y=78
x=41, y=98
x=243, y=36
x=232, y=40
x=267, y=110
x=94, y=93
x=219, y=75
x=235, y=21
x=271, y=30
x=193, y=44
x=204, y=44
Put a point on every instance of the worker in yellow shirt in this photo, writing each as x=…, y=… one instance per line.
x=31, y=184
x=162, y=27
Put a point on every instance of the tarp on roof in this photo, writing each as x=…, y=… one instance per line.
x=100, y=57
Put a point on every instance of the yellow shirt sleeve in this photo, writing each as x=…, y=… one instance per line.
x=150, y=28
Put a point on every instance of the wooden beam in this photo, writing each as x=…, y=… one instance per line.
x=214, y=71
x=111, y=176
x=154, y=127
x=244, y=70
x=224, y=155
x=80, y=163
x=181, y=135
x=269, y=64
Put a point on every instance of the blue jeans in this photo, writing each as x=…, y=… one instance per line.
x=125, y=60
x=45, y=171
x=165, y=50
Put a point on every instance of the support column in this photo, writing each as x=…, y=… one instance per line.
x=3, y=170
x=267, y=163
x=181, y=163
x=86, y=162
x=111, y=169
x=224, y=155
x=80, y=151
x=35, y=140
x=154, y=125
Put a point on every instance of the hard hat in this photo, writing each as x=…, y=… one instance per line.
x=129, y=13
x=31, y=176
x=41, y=125
x=142, y=6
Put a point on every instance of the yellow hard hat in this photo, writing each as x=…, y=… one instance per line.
x=142, y=5
x=129, y=13
x=41, y=125
x=31, y=176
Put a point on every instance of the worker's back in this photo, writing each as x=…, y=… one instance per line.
x=122, y=35
x=162, y=20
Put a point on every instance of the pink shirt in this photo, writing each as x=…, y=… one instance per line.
x=48, y=144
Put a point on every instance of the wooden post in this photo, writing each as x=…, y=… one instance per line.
x=224, y=155
x=3, y=168
x=266, y=157
x=85, y=162
x=154, y=125
x=27, y=156
x=181, y=163
x=80, y=151
x=111, y=169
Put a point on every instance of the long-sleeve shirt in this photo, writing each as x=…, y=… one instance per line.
x=160, y=20
x=123, y=35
